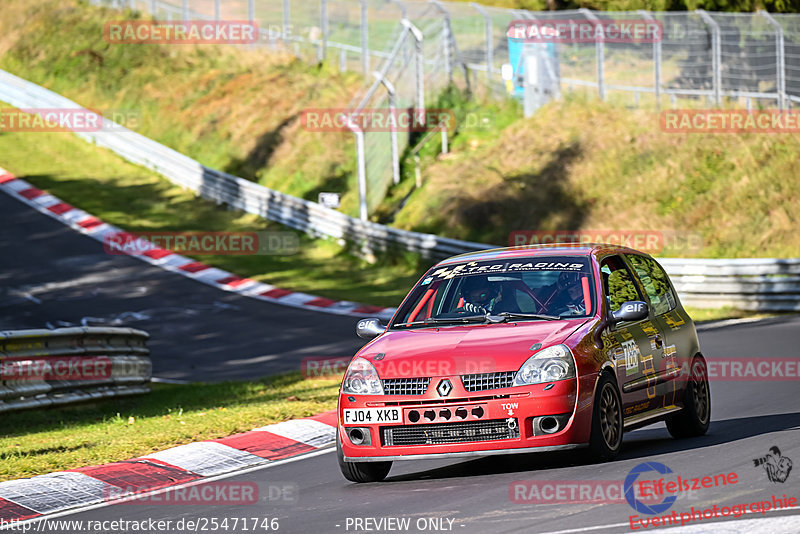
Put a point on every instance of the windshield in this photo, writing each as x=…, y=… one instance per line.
x=535, y=288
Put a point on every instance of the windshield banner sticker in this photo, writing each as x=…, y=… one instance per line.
x=474, y=268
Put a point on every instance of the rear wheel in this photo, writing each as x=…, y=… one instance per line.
x=606, y=438
x=695, y=417
x=361, y=471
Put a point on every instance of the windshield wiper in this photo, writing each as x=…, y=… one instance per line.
x=434, y=320
x=449, y=320
x=465, y=319
x=510, y=315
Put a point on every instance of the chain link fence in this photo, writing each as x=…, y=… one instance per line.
x=410, y=51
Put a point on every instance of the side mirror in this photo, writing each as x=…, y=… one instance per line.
x=369, y=328
x=633, y=310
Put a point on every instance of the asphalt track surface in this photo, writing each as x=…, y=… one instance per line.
x=56, y=274
x=748, y=417
x=51, y=276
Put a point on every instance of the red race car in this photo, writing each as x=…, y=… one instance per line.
x=519, y=350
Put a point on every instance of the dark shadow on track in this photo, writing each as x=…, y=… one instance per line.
x=642, y=444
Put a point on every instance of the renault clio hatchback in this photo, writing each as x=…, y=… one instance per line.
x=519, y=350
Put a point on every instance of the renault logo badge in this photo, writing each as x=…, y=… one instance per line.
x=444, y=388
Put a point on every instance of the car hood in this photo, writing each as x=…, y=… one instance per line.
x=458, y=350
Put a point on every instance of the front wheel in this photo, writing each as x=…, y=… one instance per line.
x=606, y=437
x=695, y=417
x=361, y=471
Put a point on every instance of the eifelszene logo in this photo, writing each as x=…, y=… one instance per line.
x=776, y=466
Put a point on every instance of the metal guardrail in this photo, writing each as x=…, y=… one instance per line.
x=40, y=368
x=756, y=284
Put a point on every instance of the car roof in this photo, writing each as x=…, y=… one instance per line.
x=561, y=249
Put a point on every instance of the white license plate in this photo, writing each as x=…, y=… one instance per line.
x=372, y=415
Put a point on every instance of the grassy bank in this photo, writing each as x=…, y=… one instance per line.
x=42, y=441
x=233, y=108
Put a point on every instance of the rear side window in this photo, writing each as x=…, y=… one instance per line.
x=655, y=283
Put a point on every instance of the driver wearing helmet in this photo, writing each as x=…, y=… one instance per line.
x=479, y=294
x=565, y=297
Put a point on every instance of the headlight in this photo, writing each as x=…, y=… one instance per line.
x=547, y=365
x=361, y=378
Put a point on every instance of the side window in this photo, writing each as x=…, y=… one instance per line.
x=655, y=283
x=617, y=283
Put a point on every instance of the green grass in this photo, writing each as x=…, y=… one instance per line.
x=136, y=199
x=581, y=164
x=42, y=441
x=232, y=108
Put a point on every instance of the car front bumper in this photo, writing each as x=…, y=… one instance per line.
x=524, y=407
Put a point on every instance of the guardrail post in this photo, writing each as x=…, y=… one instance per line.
x=364, y=35
x=323, y=24
x=185, y=10
x=286, y=18
x=716, y=55
x=419, y=63
x=599, y=54
x=362, y=167
x=489, y=39
x=780, y=50
x=390, y=89
x=656, y=59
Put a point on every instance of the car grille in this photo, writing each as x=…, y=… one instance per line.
x=491, y=430
x=405, y=386
x=488, y=381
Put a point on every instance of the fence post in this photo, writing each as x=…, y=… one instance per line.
x=599, y=53
x=447, y=36
x=364, y=35
x=656, y=58
x=390, y=89
x=781, y=53
x=419, y=63
x=185, y=10
x=323, y=24
x=402, y=6
x=286, y=18
x=251, y=10
x=362, y=168
x=153, y=8
x=489, y=39
x=716, y=56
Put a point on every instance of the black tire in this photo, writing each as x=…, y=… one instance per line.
x=606, y=437
x=694, y=418
x=361, y=471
